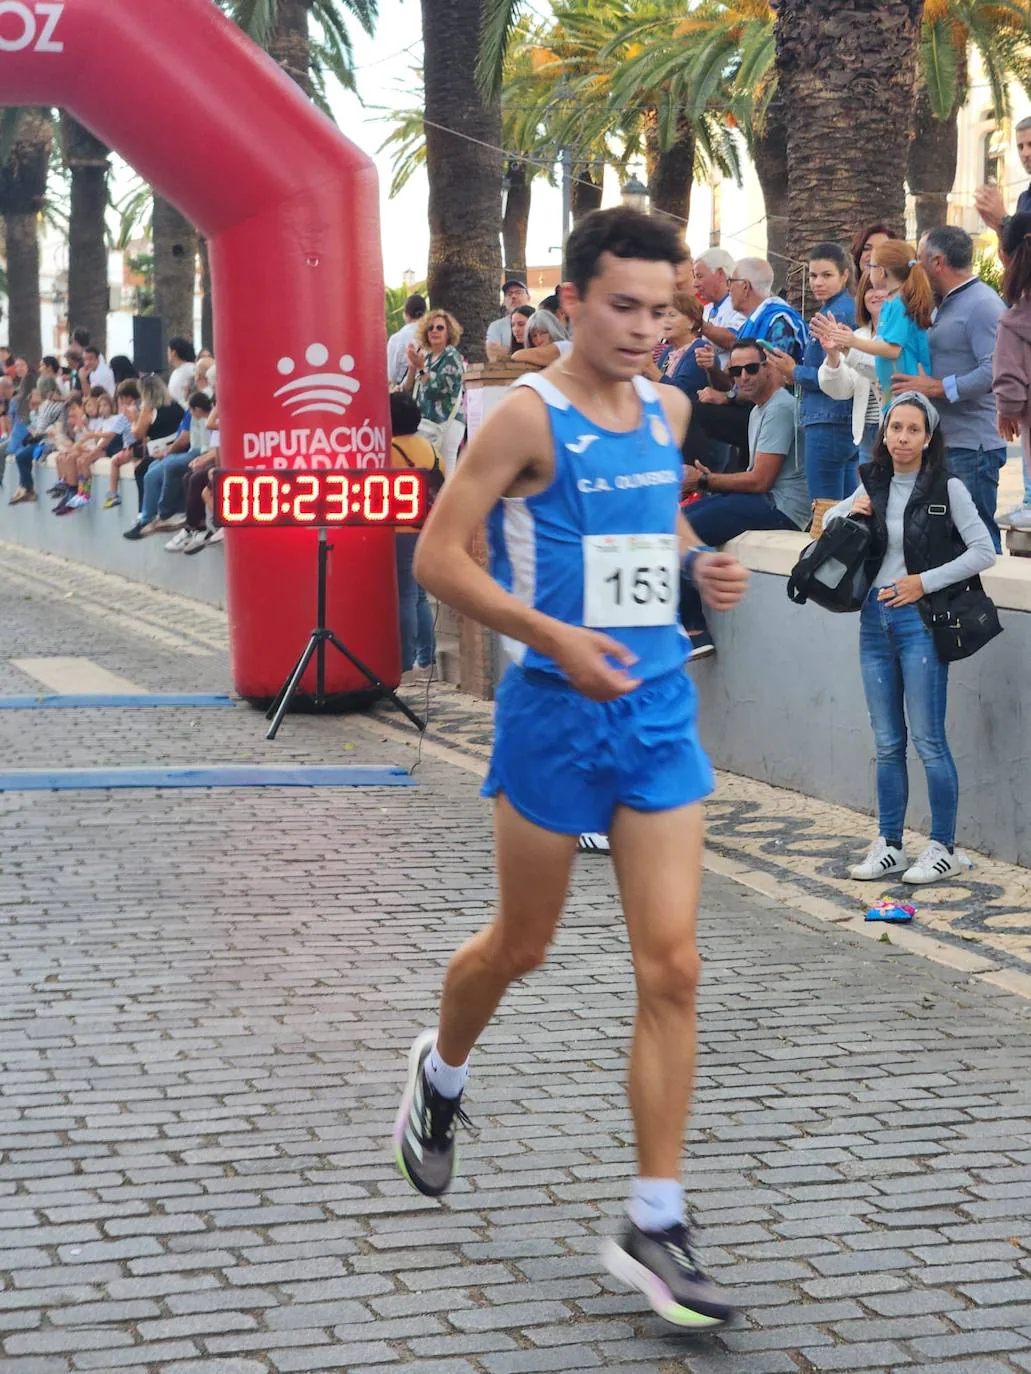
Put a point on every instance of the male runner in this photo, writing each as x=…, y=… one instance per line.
x=578, y=471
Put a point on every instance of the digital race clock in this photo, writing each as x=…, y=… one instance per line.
x=378, y=497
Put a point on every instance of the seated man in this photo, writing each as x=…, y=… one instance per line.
x=770, y=495
x=719, y=416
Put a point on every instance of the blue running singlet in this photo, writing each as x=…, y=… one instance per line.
x=599, y=546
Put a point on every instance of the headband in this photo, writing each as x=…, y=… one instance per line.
x=915, y=398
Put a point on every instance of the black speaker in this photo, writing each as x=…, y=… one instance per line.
x=149, y=351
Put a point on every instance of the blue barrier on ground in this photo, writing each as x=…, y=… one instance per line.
x=225, y=775
x=88, y=700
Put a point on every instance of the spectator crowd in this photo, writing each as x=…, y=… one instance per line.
x=83, y=410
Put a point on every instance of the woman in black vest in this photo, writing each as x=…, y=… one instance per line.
x=905, y=489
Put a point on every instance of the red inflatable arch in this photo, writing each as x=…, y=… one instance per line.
x=290, y=210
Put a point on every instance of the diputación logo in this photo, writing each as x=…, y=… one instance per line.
x=318, y=391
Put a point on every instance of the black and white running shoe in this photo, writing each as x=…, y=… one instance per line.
x=592, y=842
x=662, y=1266
x=424, y=1133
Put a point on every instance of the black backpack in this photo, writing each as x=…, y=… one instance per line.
x=834, y=570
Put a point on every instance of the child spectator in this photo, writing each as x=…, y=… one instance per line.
x=900, y=344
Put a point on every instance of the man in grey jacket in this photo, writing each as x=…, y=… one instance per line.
x=962, y=339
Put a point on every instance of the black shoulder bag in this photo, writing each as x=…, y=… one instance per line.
x=834, y=570
x=961, y=618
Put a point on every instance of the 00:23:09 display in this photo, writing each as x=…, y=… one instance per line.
x=330, y=498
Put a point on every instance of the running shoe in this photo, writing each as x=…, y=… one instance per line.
x=112, y=499
x=663, y=1266
x=882, y=860
x=701, y=645
x=424, y=1133
x=593, y=842
x=934, y=865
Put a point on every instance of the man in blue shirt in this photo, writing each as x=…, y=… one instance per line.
x=962, y=341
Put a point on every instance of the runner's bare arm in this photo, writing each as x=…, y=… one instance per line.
x=510, y=455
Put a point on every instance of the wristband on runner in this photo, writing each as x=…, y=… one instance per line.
x=688, y=561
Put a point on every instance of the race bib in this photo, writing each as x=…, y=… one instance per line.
x=630, y=580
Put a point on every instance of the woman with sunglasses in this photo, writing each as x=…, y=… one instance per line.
x=435, y=377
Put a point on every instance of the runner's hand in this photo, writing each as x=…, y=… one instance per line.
x=586, y=657
x=720, y=579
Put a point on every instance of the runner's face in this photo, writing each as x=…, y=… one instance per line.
x=620, y=317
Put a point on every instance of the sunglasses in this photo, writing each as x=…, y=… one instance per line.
x=753, y=369
x=437, y=328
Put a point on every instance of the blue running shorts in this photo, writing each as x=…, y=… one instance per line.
x=566, y=762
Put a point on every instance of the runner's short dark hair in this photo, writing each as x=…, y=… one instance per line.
x=624, y=233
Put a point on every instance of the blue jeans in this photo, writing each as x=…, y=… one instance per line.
x=172, y=498
x=24, y=458
x=418, y=645
x=716, y=519
x=830, y=461
x=904, y=678
x=978, y=469
x=866, y=446
x=153, y=502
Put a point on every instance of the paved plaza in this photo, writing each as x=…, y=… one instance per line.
x=206, y=999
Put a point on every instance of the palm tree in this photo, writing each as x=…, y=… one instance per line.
x=25, y=143
x=463, y=132
x=1000, y=34
x=88, y=162
x=175, y=269
x=308, y=38
x=846, y=71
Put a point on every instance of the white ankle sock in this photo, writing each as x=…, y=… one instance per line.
x=656, y=1204
x=447, y=1080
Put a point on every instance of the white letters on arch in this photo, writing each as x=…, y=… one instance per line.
x=24, y=26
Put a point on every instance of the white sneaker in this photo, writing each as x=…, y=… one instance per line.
x=1019, y=519
x=934, y=865
x=882, y=860
x=217, y=536
x=180, y=542
x=593, y=843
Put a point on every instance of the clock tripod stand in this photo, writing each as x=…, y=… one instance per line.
x=321, y=639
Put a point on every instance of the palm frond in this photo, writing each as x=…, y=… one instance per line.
x=499, y=22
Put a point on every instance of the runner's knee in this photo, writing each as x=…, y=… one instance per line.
x=669, y=976
x=517, y=957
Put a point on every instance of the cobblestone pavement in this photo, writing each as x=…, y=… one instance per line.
x=205, y=999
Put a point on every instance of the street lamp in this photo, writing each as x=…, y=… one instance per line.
x=634, y=194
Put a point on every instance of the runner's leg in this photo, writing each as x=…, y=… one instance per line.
x=658, y=862
x=534, y=868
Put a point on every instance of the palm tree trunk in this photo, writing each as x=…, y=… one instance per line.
x=88, y=293
x=516, y=220
x=464, y=171
x=25, y=331
x=770, y=158
x=290, y=44
x=671, y=172
x=934, y=153
x=207, y=320
x=175, y=269
x=586, y=192
x=846, y=73
x=23, y=189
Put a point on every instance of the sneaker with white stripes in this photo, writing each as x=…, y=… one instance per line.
x=882, y=860
x=593, y=842
x=934, y=865
x=424, y=1132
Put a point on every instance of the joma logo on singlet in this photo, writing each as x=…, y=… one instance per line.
x=30, y=26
